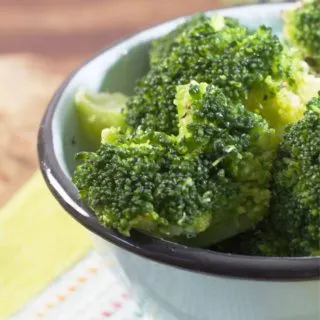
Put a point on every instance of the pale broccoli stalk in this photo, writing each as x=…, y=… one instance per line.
x=97, y=111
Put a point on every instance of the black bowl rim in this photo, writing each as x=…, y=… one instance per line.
x=163, y=251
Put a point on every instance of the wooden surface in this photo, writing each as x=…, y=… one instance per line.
x=42, y=41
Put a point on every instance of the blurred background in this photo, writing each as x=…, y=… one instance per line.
x=41, y=41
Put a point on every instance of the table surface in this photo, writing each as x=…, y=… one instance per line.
x=73, y=29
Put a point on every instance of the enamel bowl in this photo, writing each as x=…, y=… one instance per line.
x=171, y=281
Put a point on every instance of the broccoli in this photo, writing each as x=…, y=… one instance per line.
x=142, y=180
x=99, y=111
x=251, y=66
x=302, y=29
x=208, y=182
x=193, y=155
x=293, y=226
x=161, y=47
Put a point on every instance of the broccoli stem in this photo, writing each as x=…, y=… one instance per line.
x=97, y=111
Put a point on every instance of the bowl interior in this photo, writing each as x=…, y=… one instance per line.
x=118, y=68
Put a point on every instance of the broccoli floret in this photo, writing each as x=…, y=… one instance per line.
x=296, y=187
x=284, y=103
x=251, y=66
x=207, y=183
x=240, y=147
x=97, y=111
x=145, y=181
x=161, y=48
x=302, y=29
x=293, y=226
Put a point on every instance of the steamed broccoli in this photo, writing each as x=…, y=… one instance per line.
x=293, y=226
x=161, y=47
x=302, y=29
x=207, y=183
x=240, y=147
x=143, y=180
x=249, y=66
x=191, y=155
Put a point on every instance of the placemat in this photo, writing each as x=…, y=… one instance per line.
x=48, y=269
x=38, y=241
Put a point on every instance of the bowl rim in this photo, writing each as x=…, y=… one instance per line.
x=193, y=259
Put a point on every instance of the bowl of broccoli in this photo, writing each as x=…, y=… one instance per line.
x=192, y=149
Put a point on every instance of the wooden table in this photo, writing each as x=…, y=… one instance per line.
x=41, y=41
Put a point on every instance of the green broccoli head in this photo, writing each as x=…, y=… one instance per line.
x=302, y=25
x=250, y=66
x=144, y=181
x=293, y=226
x=296, y=188
x=161, y=48
x=240, y=147
x=207, y=183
